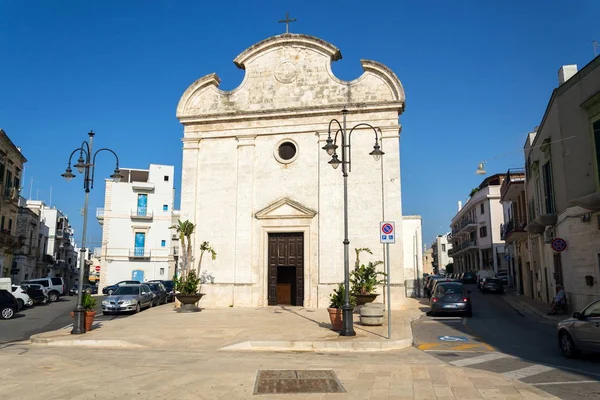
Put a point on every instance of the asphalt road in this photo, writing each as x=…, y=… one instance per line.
x=499, y=339
x=44, y=318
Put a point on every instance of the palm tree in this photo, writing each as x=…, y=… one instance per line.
x=205, y=247
x=185, y=230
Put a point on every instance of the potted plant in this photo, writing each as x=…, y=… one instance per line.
x=187, y=282
x=365, y=279
x=89, y=304
x=336, y=302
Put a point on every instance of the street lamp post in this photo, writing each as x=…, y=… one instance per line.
x=331, y=149
x=86, y=166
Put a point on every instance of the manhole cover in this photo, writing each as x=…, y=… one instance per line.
x=297, y=381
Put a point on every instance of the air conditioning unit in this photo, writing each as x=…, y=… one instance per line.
x=549, y=235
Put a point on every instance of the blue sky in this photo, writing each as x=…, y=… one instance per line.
x=477, y=75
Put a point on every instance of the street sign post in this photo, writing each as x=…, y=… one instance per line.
x=387, y=235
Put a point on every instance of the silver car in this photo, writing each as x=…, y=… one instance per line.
x=128, y=298
x=581, y=332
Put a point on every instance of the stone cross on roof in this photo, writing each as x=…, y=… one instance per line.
x=287, y=21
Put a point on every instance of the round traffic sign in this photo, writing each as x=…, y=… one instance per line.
x=559, y=244
x=97, y=268
x=387, y=228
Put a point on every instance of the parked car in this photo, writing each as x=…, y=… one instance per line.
x=128, y=298
x=8, y=305
x=56, y=287
x=581, y=332
x=22, y=297
x=451, y=297
x=469, y=277
x=159, y=293
x=169, y=287
x=503, y=275
x=109, y=290
x=492, y=285
x=93, y=289
x=37, y=293
x=429, y=285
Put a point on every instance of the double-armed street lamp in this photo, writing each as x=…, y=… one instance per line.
x=346, y=162
x=86, y=164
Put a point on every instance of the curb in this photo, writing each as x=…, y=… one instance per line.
x=530, y=309
x=59, y=342
x=320, y=346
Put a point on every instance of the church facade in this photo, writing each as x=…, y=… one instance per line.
x=258, y=185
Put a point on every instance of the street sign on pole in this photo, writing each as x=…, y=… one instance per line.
x=387, y=232
x=387, y=235
x=97, y=268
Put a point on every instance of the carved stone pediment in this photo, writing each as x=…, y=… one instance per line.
x=285, y=209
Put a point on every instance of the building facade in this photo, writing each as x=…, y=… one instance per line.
x=513, y=231
x=440, y=249
x=257, y=183
x=412, y=241
x=11, y=170
x=428, y=262
x=562, y=164
x=56, y=244
x=475, y=236
x=137, y=239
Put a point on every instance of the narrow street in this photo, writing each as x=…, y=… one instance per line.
x=45, y=317
x=499, y=339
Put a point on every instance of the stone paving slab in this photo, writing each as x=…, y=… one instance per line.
x=263, y=329
x=76, y=373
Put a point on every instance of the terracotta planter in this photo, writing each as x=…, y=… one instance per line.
x=89, y=319
x=188, y=302
x=335, y=316
x=362, y=299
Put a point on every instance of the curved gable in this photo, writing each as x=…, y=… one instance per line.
x=290, y=72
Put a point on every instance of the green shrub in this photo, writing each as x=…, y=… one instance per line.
x=188, y=283
x=88, y=302
x=365, y=279
x=336, y=299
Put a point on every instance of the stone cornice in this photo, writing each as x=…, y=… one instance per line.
x=397, y=106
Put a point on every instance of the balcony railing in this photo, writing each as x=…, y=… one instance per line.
x=463, y=224
x=142, y=213
x=139, y=252
x=513, y=175
x=462, y=246
x=512, y=226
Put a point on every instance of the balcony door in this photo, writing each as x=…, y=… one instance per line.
x=142, y=205
x=140, y=243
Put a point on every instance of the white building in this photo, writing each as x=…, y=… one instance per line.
x=440, y=247
x=136, y=219
x=475, y=235
x=258, y=185
x=412, y=242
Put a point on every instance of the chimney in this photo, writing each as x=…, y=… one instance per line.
x=459, y=205
x=566, y=72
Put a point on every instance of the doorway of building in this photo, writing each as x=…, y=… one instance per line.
x=286, y=269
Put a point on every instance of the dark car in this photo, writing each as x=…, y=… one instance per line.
x=159, y=293
x=469, y=277
x=169, y=287
x=35, y=293
x=109, y=290
x=8, y=304
x=451, y=297
x=92, y=289
x=492, y=285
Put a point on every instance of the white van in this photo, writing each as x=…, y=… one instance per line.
x=484, y=273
